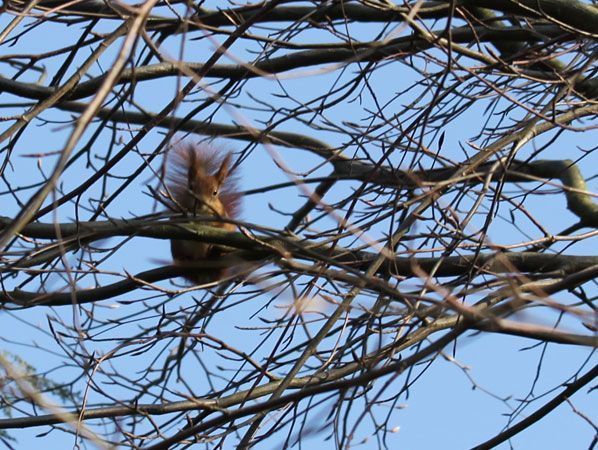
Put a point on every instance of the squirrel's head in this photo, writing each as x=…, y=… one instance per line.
x=200, y=181
x=206, y=188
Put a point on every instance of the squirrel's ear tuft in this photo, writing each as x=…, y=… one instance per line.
x=224, y=169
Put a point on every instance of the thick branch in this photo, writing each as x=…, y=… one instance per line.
x=572, y=13
x=364, y=52
x=277, y=247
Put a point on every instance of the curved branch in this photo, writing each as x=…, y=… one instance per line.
x=579, y=201
x=482, y=311
x=353, y=261
x=501, y=262
x=540, y=413
x=358, y=52
x=572, y=13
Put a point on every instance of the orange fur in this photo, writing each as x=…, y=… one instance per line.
x=199, y=181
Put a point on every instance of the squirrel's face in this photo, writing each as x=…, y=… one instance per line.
x=200, y=184
x=206, y=193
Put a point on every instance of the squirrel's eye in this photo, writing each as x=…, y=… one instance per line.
x=215, y=192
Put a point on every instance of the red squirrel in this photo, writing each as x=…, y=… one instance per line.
x=199, y=182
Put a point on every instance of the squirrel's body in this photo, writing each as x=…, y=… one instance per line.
x=199, y=183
